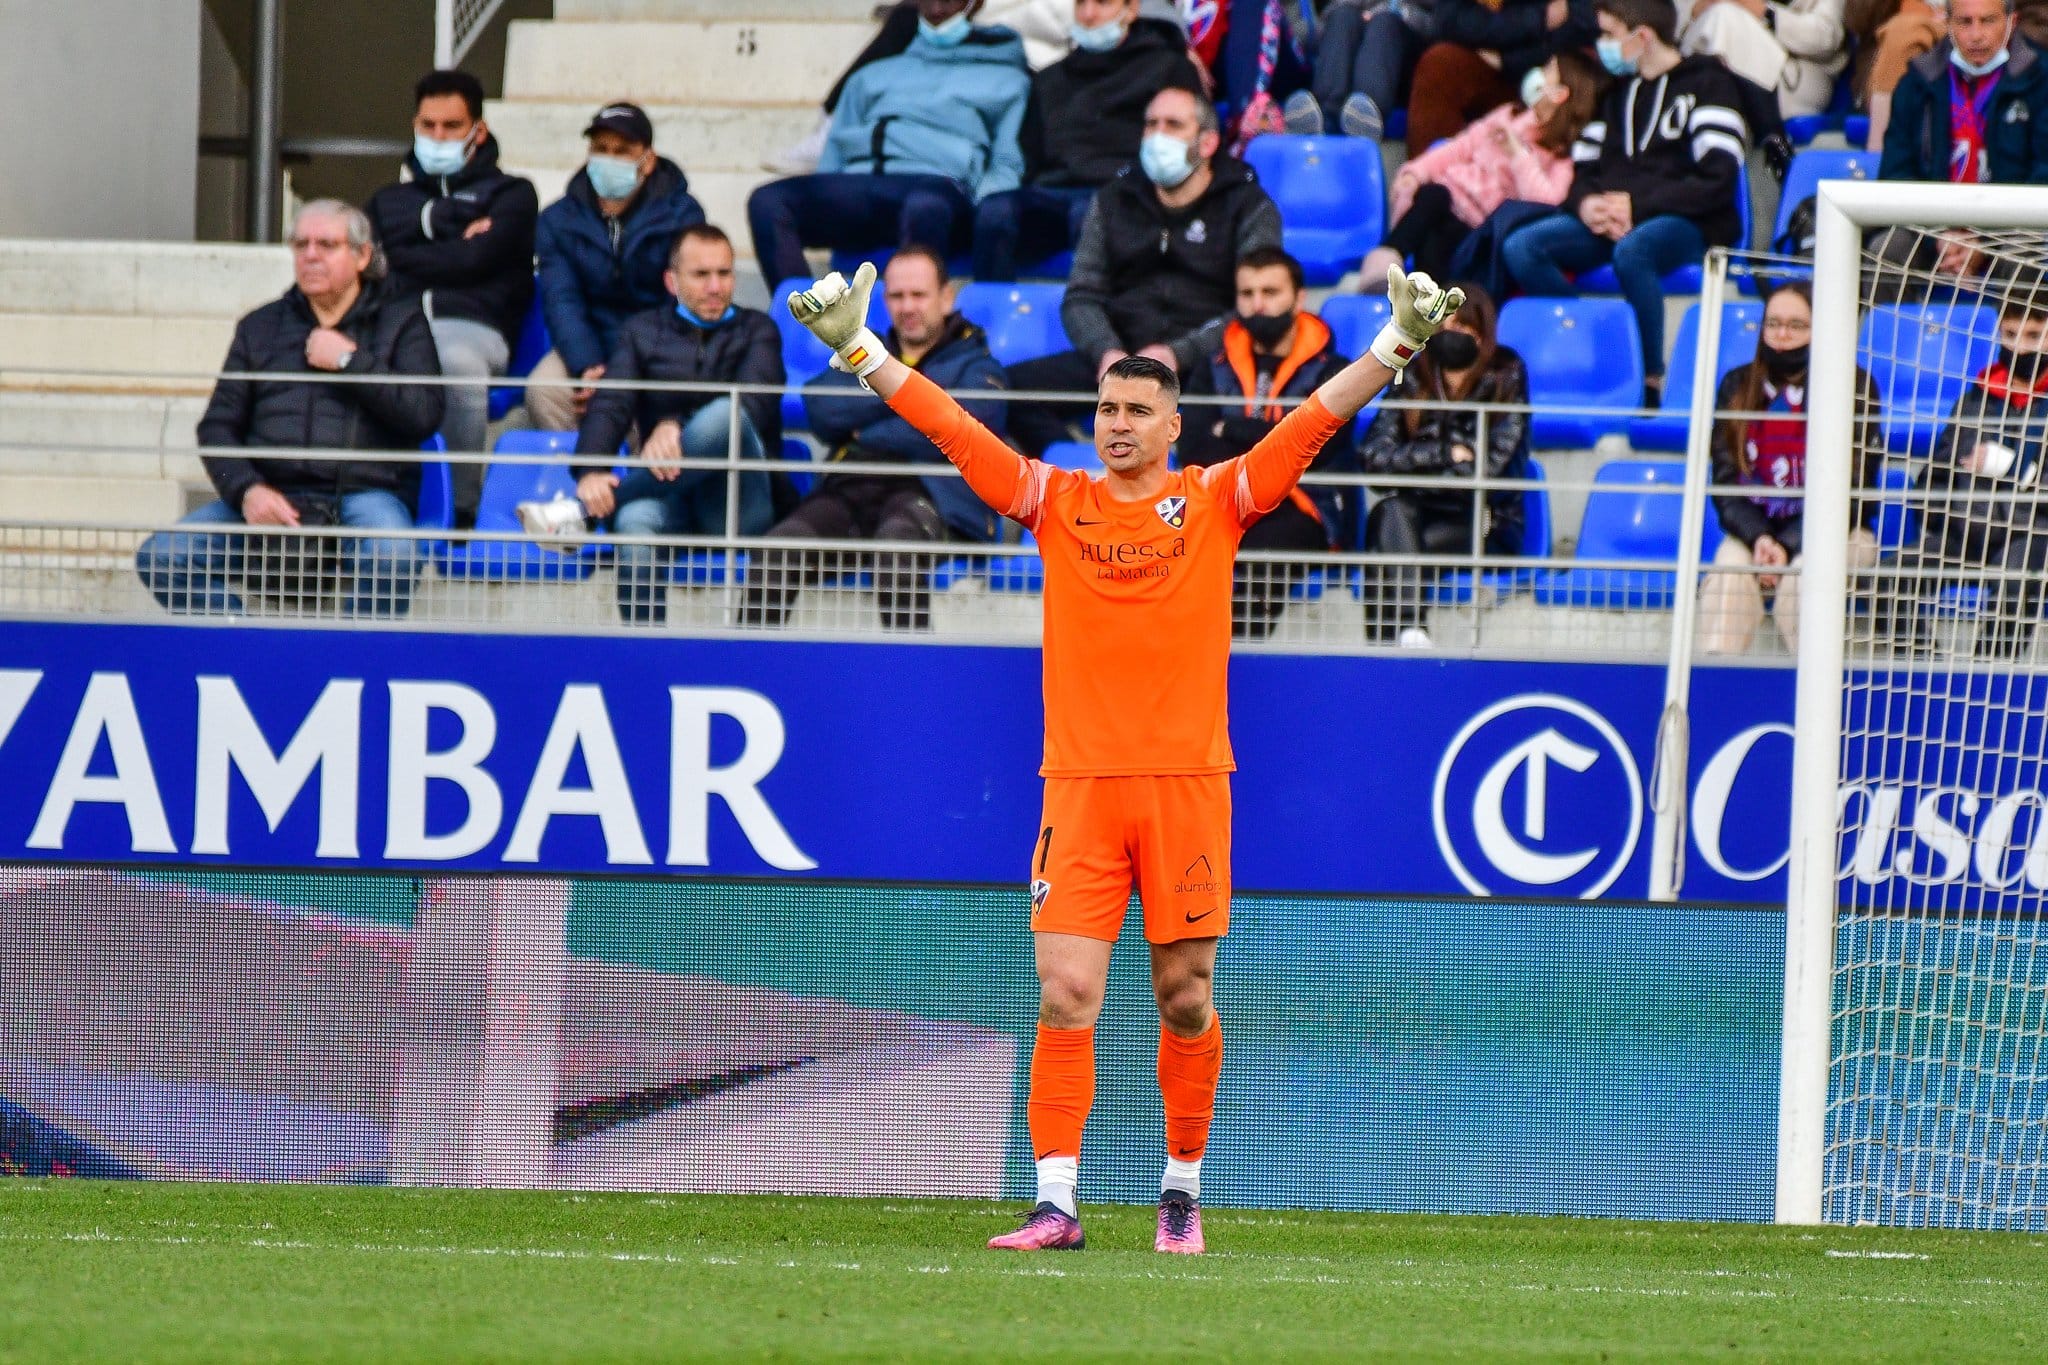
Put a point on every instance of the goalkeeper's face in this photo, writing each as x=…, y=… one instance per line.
x=1136, y=422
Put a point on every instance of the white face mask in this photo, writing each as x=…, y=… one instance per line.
x=1534, y=86
x=1974, y=69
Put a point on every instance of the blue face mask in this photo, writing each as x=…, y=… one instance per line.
x=437, y=158
x=1534, y=85
x=1611, y=58
x=683, y=312
x=1101, y=38
x=1165, y=159
x=1972, y=69
x=613, y=177
x=952, y=33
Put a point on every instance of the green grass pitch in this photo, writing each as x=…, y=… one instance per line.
x=225, y=1272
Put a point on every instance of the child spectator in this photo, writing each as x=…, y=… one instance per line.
x=1464, y=364
x=1515, y=152
x=1658, y=174
x=1769, y=454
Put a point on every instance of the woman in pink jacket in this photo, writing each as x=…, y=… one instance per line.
x=1516, y=152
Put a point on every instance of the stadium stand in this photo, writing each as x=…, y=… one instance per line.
x=1634, y=513
x=1022, y=320
x=527, y=351
x=1666, y=430
x=1331, y=192
x=1812, y=166
x=1921, y=356
x=1576, y=357
x=505, y=487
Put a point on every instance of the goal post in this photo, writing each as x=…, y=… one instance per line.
x=1914, y=1077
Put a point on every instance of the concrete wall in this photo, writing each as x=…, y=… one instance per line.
x=100, y=103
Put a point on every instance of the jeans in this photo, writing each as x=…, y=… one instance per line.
x=691, y=504
x=205, y=571
x=1026, y=225
x=472, y=350
x=1371, y=54
x=851, y=507
x=855, y=211
x=1539, y=255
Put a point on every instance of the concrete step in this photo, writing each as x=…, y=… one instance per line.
x=113, y=351
x=104, y=435
x=611, y=11
x=698, y=137
x=779, y=62
x=91, y=501
x=151, y=279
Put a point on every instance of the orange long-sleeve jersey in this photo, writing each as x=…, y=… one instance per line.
x=1137, y=595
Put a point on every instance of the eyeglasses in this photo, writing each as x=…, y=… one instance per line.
x=1790, y=326
x=320, y=244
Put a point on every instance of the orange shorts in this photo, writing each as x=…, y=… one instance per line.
x=1168, y=836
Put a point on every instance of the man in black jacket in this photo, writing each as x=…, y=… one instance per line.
x=341, y=318
x=1155, y=271
x=459, y=233
x=1083, y=125
x=1271, y=351
x=703, y=337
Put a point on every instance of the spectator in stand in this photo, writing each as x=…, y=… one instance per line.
x=927, y=335
x=339, y=317
x=1364, y=57
x=1272, y=351
x=458, y=232
x=1983, y=477
x=1769, y=455
x=1483, y=58
x=1155, y=271
x=702, y=337
x=1044, y=25
x=1657, y=178
x=919, y=139
x=604, y=252
x=1514, y=153
x=1083, y=125
x=1892, y=34
x=1794, y=50
x=1968, y=113
x=1464, y=364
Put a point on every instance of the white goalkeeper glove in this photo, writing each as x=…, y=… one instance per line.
x=837, y=314
x=1420, y=311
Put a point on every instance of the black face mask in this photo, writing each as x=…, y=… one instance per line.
x=1267, y=330
x=1782, y=364
x=1454, y=350
x=2025, y=366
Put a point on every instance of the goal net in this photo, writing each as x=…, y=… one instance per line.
x=1915, y=1082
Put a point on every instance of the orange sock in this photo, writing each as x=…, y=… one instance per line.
x=1062, y=1089
x=1187, y=1083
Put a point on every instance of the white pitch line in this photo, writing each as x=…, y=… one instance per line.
x=1878, y=1256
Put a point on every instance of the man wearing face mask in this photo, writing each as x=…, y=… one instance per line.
x=1971, y=112
x=917, y=141
x=1155, y=270
x=604, y=249
x=1272, y=352
x=1982, y=472
x=459, y=233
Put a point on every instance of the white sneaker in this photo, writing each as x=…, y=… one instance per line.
x=1415, y=637
x=801, y=157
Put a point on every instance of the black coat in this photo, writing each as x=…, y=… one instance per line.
x=1971, y=516
x=1391, y=448
x=1087, y=110
x=658, y=344
x=487, y=278
x=391, y=336
x=596, y=272
x=1516, y=30
x=1917, y=141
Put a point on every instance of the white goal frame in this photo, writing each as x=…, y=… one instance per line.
x=1847, y=210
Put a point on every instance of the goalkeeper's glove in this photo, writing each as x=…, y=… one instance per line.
x=837, y=314
x=1420, y=311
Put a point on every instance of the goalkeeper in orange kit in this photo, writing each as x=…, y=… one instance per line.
x=1137, y=608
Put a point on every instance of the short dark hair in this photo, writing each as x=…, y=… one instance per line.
x=1658, y=16
x=1145, y=367
x=917, y=250
x=696, y=232
x=1206, y=119
x=1266, y=257
x=451, y=83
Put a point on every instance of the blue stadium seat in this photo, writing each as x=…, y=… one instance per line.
x=1686, y=279
x=1332, y=197
x=436, y=511
x=1804, y=128
x=803, y=355
x=528, y=351
x=1054, y=267
x=1740, y=324
x=1455, y=588
x=1898, y=520
x=1812, y=166
x=1921, y=356
x=1018, y=573
x=1626, y=520
x=1856, y=128
x=505, y=487
x=1580, y=353
x=1354, y=320
x=1022, y=320
x=1078, y=455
